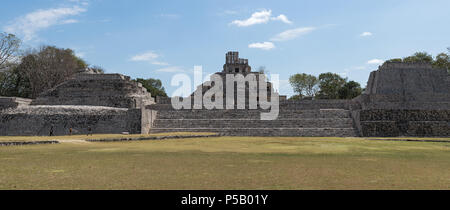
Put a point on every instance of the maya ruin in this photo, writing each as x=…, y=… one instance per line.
x=395, y=103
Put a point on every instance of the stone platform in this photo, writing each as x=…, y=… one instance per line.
x=307, y=118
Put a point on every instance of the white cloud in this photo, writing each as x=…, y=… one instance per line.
x=228, y=12
x=283, y=19
x=69, y=21
x=170, y=16
x=375, y=61
x=148, y=56
x=260, y=17
x=160, y=63
x=364, y=34
x=31, y=23
x=171, y=69
x=262, y=45
x=292, y=34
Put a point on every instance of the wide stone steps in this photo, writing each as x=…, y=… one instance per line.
x=300, y=132
x=305, y=119
x=254, y=123
x=304, y=105
x=251, y=114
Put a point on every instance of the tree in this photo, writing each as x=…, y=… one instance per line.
x=419, y=57
x=295, y=98
x=9, y=47
x=14, y=84
x=330, y=84
x=442, y=61
x=48, y=67
x=154, y=86
x=350, y=90
x=396, y=60
x=304, y=85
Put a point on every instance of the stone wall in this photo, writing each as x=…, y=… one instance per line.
x=38, y=120
x=7, y=102
x=391, y=123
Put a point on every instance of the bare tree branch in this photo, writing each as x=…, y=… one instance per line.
x=9, y=47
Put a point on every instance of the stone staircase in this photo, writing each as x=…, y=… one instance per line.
x=308, y=119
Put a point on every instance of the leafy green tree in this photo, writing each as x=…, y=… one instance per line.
x=14, y=84
x=330, y=84
x=442, y=61
x=419, y=57
x=350, y=90
x=47, y=67
x=396, y=60
x=154, y=86
x=304, y=85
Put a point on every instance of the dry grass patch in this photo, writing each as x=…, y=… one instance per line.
x=94, y=137
x=229, y=163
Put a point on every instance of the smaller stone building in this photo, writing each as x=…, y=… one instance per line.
x=97, y=103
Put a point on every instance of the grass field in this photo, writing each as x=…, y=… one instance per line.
x=85, y=137
x=228, y=163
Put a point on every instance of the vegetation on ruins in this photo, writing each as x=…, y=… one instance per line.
x=441, y=61
x=326, y=86
x=153, y=86
x=27, y=74
x=40, y=70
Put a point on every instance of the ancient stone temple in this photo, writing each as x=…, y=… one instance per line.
x=97, y=103
x=296, y=118
x=401, y=99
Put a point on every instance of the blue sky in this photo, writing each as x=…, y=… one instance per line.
x=145, y=38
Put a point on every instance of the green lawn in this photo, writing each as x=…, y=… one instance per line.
x=228, y=163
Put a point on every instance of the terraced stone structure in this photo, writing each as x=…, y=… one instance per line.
x=404, y=99
x=401, y=100
x=111, y=90
x=296, y=118
x=86, y=103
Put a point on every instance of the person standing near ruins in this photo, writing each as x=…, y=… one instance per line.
x=89, y=131
x=51, y=131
